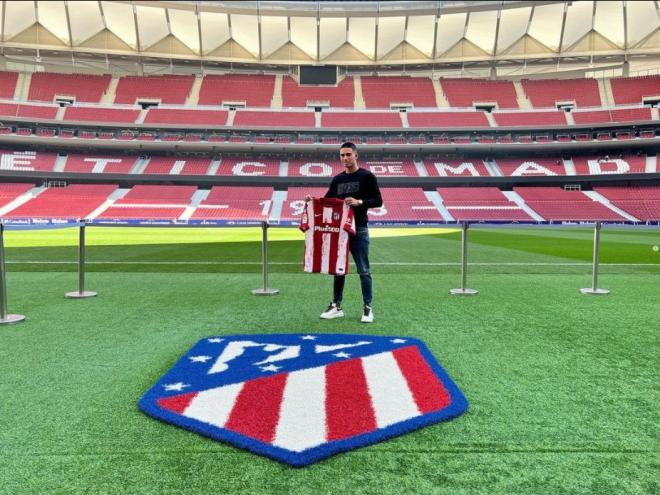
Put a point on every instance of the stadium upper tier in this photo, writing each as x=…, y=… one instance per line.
x=251, y=166
x=352, y=92
x=234, y=204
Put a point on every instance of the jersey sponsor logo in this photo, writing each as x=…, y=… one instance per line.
x=299, y=398
x=326, y=228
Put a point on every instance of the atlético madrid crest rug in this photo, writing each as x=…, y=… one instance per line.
x=300, y=398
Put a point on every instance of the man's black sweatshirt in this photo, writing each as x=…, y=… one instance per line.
x=361, y=184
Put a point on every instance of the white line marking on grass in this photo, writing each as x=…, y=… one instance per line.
x=402, y=263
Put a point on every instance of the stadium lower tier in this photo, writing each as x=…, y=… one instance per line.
x=246, y=166
x=26, y=203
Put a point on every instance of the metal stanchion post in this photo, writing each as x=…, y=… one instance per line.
x=5, y=319
x=463, y=291
x=594, y=290
x=81, y=293
x=264, y=290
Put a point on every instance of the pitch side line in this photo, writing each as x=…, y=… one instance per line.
x=403, y=263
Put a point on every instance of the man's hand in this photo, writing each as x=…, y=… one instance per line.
x=308, y=198
x=352, y=201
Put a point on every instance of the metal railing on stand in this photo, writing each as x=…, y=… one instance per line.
x=81, y=293
x=5, y=319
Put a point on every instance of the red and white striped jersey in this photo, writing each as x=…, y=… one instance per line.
x=327, y=223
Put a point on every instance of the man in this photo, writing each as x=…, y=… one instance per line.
x=359, y=189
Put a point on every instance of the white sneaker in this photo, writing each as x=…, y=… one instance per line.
x=333, y=311
x=367, y=314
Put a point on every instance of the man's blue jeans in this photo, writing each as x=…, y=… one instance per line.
x=359, y=247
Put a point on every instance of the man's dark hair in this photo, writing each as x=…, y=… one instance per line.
x=350, y=145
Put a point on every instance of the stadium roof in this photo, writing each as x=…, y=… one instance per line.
x=358, y=34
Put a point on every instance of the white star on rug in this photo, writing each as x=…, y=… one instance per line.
x=308, y=337
x=178, y=387
x=270, y=367
x=398, y=341
x=215, y=340
x=199, y=359
x=342, y=355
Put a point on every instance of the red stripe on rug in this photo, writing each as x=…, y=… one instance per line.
x=177, y=403
x=348, y=404
x=257, y=408
x=428, y=391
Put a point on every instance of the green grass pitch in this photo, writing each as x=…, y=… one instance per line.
x=563, y=388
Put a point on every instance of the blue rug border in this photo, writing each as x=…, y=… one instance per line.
x=458, y=406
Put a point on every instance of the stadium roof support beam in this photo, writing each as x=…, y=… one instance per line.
x=625, y=31
x=259, y=37
x=563, y=29
x=199, y=30
x=137, y=31
x=376, y=31
x=103, y=19
x=434, y=52
x=4, y=13
x=68, y=23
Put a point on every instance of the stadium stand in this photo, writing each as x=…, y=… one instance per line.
x=627, y=90
x=232, y=203
x=27, y=161
x=177, y=165
x=169, y=89
x=9, y=192
x=191, y=117
x=28, y=111
x=381, y=92
x=88, y=88
x=314, y=168
x=8, y=109
x=597, y=165
x=631, y=114
x=340, y=96
x=92, y=114
x=391, y=167
x=8, y=84
x=253, y=90
x=480, y=204
x=247, y=167
x=524, y=119
x=614, y=115
x=70, y=202
x=139, y=212
x=447, y=119
x=592, y=117
x=151, y=203
x=154, y=195
x=247, y=118
x=104, y=164
x=358, y=120
x=37, y=111
x=467, y=92
x=556, y=204
x=405, y=205
x=447, y=168
x=531, y=166
x=642, y=202
x=546, y=93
